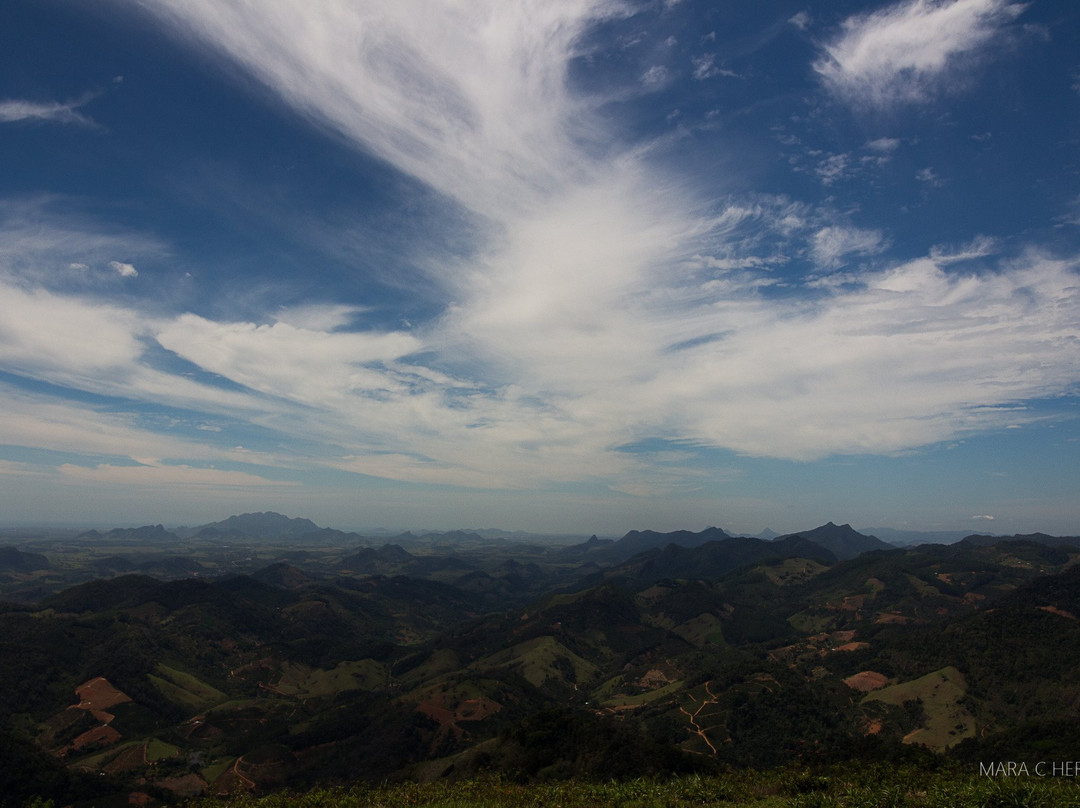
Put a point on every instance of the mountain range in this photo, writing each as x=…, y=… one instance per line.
x=298, y=663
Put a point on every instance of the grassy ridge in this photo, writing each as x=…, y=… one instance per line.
x=855, y=787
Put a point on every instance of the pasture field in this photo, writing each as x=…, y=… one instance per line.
x=183, y=688
x=947, y=720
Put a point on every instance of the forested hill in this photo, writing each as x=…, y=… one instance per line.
x=339, y=664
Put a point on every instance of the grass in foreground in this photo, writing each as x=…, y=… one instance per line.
x=869, y=787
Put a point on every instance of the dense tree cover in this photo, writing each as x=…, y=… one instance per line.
x=26, y=773
x=559, y=743
x=332, y=681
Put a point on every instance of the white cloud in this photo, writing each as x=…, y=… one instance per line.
x=610, y=305
x=705, y=67
x=929, y=176
x=303, y=365
x=913, y=356
x=905, y=52
x=800, y=20
x=166, y=477
x=1072, y=214
x=892, y=360
x=469, y=98
x=42, y=331
x=830, y=245
x=16, y=110
x=979, y=247
x=40, y=235
x=97, y=347
x=123, y=269
x=884, y=144
x=655, y=76
x=42, y=422
x=319, y=317
x=833, y=168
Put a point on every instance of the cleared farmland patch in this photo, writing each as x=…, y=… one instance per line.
x=99, y=694
x=541, y=659
x=184, y=689
x=705, y=629
x=303, y=681
x=947, y=721
x=157, y=749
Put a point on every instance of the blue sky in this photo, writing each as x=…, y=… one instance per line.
x=555, y=265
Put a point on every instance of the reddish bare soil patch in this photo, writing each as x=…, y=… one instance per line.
x=467, y=710
x=434, y=710
x=98, y=736
x=866, y=681
x=476, y=709
x=655, y=678
x=890, y=617
x=448, y=719
x=99, y=694
x=786, y=652
x=853, y=603
x=852, y=646
x=1057, y=611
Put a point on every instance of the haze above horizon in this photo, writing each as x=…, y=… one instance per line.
x=583, y=267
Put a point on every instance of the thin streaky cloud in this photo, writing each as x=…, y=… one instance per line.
x=907, y=51
x=471, y=99
x=143, y=478
x=21, y=110
x=43, y=233
x=492, y=246
x=831, y=245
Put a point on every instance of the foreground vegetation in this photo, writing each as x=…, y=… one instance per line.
x=850, y=787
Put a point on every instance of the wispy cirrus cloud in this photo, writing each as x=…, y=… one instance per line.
x=49, y=241
x=891, y=360
x=831, y=245
x=160, y=477
x=608, y=305
x=19, y=110
x=907, y=51
x=471, y=99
